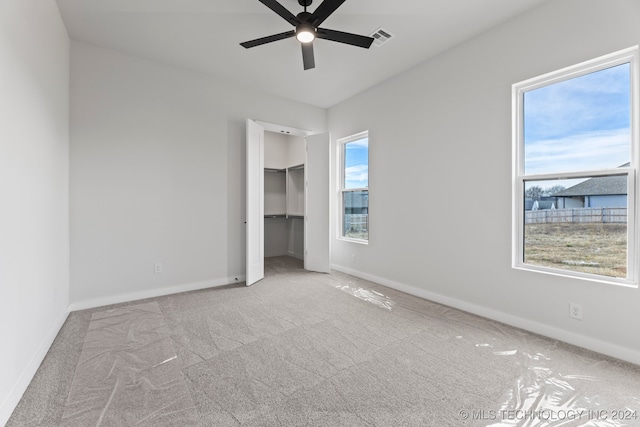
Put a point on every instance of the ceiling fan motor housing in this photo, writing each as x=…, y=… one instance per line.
x=305, y=16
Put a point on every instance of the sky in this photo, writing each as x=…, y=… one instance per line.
x=356, y=161
x=579, y=124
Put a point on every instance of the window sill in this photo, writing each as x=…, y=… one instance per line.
x=627, y=283
x=358, y=241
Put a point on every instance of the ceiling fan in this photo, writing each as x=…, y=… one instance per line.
x=307, y=29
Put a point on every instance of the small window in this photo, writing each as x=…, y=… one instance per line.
x=354, y=187
x=575, y=171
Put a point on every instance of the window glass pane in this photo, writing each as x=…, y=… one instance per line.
x=356, y=164
x=577, y=224
x=356, y=214
x=579, y=124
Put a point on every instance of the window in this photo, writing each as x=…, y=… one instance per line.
x=354, y=187
x=575, y=171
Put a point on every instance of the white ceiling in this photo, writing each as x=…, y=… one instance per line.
x=204, y=36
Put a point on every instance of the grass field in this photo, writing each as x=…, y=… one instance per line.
x=589, y=248
x=362, y=235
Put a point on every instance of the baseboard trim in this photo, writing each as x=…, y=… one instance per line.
x=152, y=293
x=295, y=255
x=275, y=254
x=589, y=343
x=9, y=405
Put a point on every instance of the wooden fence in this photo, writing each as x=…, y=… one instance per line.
x=356, y=223
x=574, y=215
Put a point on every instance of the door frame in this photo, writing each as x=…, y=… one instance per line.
x=272, y=127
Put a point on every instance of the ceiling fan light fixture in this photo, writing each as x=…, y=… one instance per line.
x=305, y=33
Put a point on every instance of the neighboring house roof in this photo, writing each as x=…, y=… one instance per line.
x=599, y=186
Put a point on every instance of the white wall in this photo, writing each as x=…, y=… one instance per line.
x=157, y=175
x=440, y=177
x=297, y=151
x=276, y=150
x=34, y=182
x=607, y=201
x=283, y=151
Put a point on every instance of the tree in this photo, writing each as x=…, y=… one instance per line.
x=533, y=193
x=555, y=189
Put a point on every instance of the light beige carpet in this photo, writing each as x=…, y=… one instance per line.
x=308, y=349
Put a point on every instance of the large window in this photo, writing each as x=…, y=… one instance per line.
x=575, y=170
x=354, y=187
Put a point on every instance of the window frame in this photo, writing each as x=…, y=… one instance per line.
x=519, y=177
x=342, y=143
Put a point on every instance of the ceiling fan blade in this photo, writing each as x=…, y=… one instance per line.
x=268, y=39
x=342, y=37
x=326, y=8
x=307, y=56
x=282, y=11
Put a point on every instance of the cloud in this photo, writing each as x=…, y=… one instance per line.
x=357, y=176
x=597, y=101
x=362, y=143
x=357, y=164
x=594, y=150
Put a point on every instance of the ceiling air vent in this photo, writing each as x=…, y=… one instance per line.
x=381, y=36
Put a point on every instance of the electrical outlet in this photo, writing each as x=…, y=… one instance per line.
x=575, y=310
x=157, y=267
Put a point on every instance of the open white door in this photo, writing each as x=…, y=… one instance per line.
x=316, y=224
x=255, y=202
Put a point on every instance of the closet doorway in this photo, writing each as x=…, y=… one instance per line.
x=287, y=197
